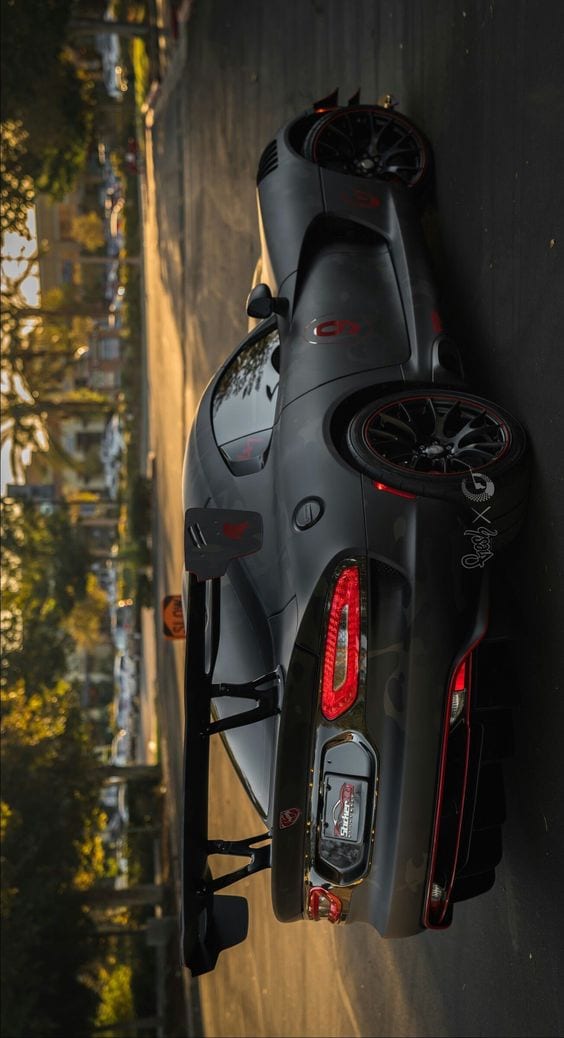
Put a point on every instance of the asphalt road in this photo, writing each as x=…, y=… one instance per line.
x=484, y=81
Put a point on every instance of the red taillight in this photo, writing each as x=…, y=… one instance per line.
x=459, y=689
x=341, y=661
x=459, y=681
x=323, y=904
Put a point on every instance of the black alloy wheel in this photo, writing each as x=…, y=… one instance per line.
x=445, y=444
x=437, y=434
x=371, y=142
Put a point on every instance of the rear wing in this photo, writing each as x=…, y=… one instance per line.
x=211, y=922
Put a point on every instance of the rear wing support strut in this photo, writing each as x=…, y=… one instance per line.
x=209, y=923
x=266, y=698
x=259, y=858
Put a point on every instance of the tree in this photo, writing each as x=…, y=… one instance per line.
x=129, y=772
x=49, y=812
x=85, y=620
x=138, y=896
x=43, y=353
x=99, y=25
x=26, y=423
x=39, y=345
x=17, y=191
x=44, y=574
x=58, y=305
x=116, y=998
x=65, y=404
x=88, y=231
x=45, y=108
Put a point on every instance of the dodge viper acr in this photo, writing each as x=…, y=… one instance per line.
x=346, y=493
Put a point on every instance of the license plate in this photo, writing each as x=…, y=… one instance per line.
x=343, y=808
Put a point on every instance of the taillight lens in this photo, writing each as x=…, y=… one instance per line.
x=453, y=777
x=323, y=904
x=458, y=690
x=341, y=660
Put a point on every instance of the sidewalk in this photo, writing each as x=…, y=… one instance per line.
x=169, y=22
x=168, y=18
x=147, y=743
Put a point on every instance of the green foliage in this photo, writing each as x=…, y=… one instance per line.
x=45, y=105
x=140, y=507
x=17, y=191
x=32, y=40
x=49, y=812
x=39, y=347
x=116, y=1002
x=85, y=620
x=88, y=230
x=141, y=70
x=43, y=353
x=26, y=423
x=144, y=591
x=44, y=575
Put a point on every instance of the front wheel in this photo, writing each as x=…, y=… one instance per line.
x=446, y=444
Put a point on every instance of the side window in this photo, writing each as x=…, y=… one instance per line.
x=244, y=404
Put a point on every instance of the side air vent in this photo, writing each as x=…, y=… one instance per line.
x=268, y=161
x=390, y=577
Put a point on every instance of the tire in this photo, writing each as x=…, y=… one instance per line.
x=370, y=142
x=448, y=445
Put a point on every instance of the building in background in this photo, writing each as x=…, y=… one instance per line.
x=54, y=221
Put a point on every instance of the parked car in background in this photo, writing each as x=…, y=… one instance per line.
x=109, y=796
x=122, y=617
x=126, y=705
x=112, y=453
x=112, y=279
x=122, y=748
x=109, y=48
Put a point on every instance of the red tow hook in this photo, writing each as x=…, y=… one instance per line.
x=323, y=904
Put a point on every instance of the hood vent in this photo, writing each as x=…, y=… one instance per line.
x=268, y=161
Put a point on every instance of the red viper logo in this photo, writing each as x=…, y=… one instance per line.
x=334, y=327
x=234, y=530
x=246, y=451
x=436, y=321
x=288, y=817
x=362, y=199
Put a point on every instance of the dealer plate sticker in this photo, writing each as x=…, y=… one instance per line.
x=343, y=809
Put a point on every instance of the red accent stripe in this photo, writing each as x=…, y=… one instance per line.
x=392, y=490
x=428, y=921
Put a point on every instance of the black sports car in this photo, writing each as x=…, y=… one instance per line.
x=345, y=495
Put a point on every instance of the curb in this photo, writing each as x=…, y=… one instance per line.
x=159, y=92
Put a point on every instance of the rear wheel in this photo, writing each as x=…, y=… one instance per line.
x=446, y=444
x=371, y=142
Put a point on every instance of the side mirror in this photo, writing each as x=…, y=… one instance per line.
x=260, y=303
